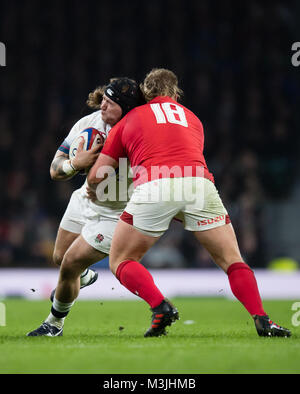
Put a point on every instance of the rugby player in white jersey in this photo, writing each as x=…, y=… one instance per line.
x=85, y=232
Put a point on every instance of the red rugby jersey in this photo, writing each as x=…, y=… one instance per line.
x=162, y=139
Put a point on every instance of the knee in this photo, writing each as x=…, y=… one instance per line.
x=57, y=257
x=113, y=266
x=68, y=268
x=224, y=263
x=116, y=260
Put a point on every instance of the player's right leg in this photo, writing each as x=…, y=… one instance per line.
x=70, y=227
x=140, y=226
x=78, y=257
x=64, y=240
x=69, y=230
x=128, y=247
x=91, y=246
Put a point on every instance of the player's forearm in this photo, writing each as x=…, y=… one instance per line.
x=61, y=169
x=92, y=178
x=103, y=167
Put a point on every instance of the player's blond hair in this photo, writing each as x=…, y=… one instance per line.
x=95, y=98
x=161, y=82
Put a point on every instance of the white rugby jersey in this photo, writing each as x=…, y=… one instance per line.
x=95, y=121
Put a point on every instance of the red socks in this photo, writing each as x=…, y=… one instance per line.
x=137, y=279
x=244, y=286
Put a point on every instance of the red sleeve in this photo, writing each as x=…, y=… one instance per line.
x=113, y=146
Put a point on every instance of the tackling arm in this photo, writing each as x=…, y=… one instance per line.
x=100, y=169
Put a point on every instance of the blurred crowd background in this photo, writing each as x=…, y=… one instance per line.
x=233, y=60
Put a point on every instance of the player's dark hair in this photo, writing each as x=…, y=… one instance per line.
x=125, y=92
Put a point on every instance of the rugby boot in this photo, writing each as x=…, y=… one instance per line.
x=46, y=330
x=266, y=328
x=92, y=280
x=163, y=315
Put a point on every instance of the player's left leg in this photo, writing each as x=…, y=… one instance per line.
x=128, y=247
x=222, y=245
x=210, y=222
x=79, y=256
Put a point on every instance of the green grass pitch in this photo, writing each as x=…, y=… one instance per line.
x=106, y=337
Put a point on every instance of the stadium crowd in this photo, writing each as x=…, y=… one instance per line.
x=233, y=64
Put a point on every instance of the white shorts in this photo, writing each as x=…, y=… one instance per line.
x=193, y=201
x=95, y=226
x=73, y=220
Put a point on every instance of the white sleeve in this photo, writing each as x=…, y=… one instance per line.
x=93, y=120
x=74, y=132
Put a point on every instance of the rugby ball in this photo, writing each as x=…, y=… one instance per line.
x=91, y=138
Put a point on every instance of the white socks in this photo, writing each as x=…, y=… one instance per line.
x=55, y=321
x=59, y=312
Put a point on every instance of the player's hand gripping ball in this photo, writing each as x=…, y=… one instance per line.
x=87, y=145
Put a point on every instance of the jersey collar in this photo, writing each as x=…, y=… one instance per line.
x=162, y=99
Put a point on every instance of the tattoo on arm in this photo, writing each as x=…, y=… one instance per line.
x=56, y=167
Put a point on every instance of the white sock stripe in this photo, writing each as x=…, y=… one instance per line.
x=62, y=306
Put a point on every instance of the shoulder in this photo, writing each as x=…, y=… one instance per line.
x=92, y=120
x=136, y=114
x=189, y=111
x=191, y=116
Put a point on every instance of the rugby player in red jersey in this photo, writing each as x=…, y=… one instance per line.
x=164, y=142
